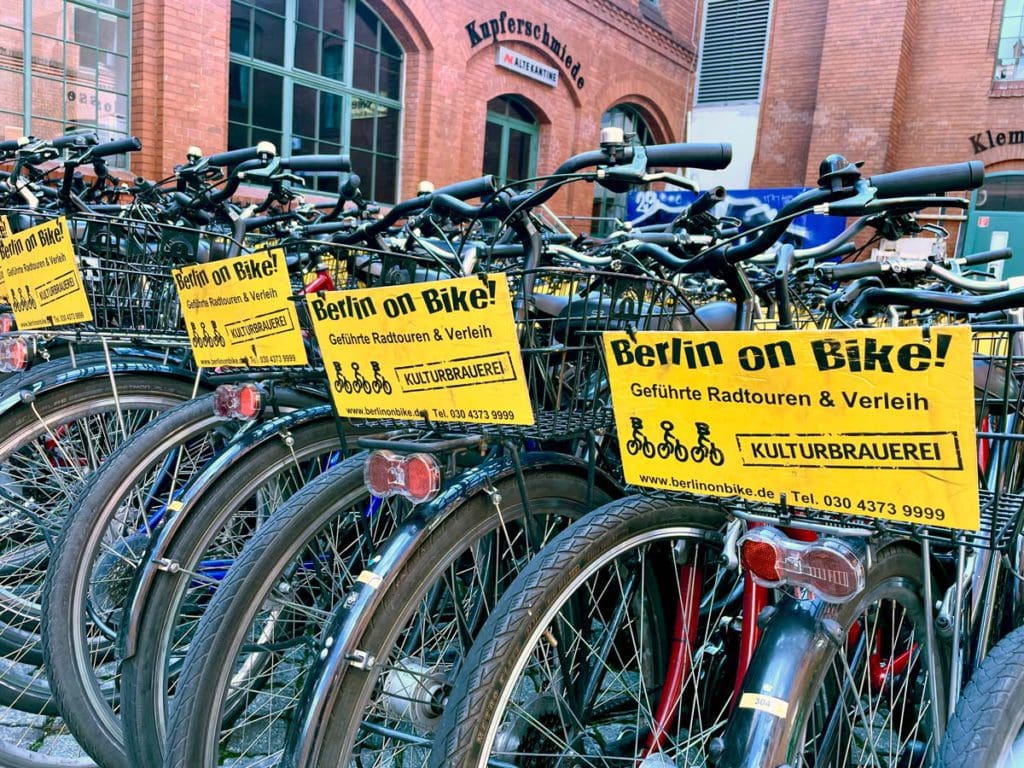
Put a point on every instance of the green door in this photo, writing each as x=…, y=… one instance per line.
x=996, y=220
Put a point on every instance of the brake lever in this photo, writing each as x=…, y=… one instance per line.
x=674, y=179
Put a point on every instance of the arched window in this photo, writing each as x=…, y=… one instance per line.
x=66, y=68
x=510, y=140
x=609, y=206
x=318, y=76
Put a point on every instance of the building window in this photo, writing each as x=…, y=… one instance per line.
x=732, y=50
x=318, y=77
x=510, y=140
x=1010, y=54
x=79, y=76
x=610, y=207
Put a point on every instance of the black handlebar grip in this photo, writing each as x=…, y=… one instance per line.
x=234, y=157
x=929, y=180
x=850, y=271
x=10, y=146
x=485, y=185
x=116, y=147
x=984, y=257
x=88, y=138
x=318, y=163
x=710, y=157
x=444, y=203
x=663, y=239
x=325, y=228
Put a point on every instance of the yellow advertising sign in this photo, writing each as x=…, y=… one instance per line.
x=40, y=276
x=447, y=348
x=874, y=422
x=5, y=231
x=239, y=311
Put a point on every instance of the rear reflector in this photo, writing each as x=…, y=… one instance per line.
x=13, y=355
x=829, y=567
x=237, y=401
x=416, y=477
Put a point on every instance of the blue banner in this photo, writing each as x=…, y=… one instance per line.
x=753, y=207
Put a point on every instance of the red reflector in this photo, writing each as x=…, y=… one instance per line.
x=6, y=322
x=761, y=559
x=237, y=401
x=379, y=471
x=422, y=477
x=13, y=355
x=416, y=477
x=828, y=567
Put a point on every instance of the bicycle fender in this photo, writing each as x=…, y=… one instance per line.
x=64, y=378
x=797, y=644
x=340, y=653
x=241, y=445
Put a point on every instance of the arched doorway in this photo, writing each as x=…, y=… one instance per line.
x=996, y=220
x=510, y=140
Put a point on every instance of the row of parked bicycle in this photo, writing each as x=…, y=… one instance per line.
x=215, y=567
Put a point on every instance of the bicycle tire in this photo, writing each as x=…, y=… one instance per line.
x=110, y=501
x=144, y=681
x=472, y=536
x=81, y=407
x=230, y=664
x=985, y=730
x=834, y=690
x=528, y=610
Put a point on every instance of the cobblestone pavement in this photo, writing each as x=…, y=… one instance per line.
x=48, y=737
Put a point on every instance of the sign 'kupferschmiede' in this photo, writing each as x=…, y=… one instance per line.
x=876, y=422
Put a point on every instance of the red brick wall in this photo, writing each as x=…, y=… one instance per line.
x=179, y=80
x=896, y=83
x=627, y=54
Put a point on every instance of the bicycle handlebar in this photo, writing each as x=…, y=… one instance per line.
x=318, y=163
x=116, y=147
x=88, y=138
x=708, y=157
x=234, y=157
x=946, y=302
x=929, y=180
x=984, y=257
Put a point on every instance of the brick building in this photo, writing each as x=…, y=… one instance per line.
x=899, y=83
x=411, y=89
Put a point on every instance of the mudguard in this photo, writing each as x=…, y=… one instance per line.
x=241, y=445
x=37, y=386
x=795, y=647
x=340, y=650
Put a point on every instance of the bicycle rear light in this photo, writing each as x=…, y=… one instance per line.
x=6, y=322
x=13, y=355
x=237, y=401
x=378, y=471
x=416, y=477
x=829, y=567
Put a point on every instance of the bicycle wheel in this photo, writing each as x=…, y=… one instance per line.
x=987, y=728
x=261, y=631
x=853, y=691
x=97, y=554
x=611, y=646
x=873, y=705
x=428, y=610
x=48, y=447
x=218, y=525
